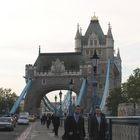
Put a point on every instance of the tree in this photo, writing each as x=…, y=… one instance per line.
x=133, y=86
x=7, y=99
x=115, y=98
x=128, y=92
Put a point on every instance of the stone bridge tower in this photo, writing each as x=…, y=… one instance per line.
x=53, y=71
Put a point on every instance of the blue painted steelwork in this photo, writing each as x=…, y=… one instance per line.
x=79, y=98
x=51, y=107
x=48, y=104
x=106, y=89
x=22, y=95
x=66, y=103
x=94, y=96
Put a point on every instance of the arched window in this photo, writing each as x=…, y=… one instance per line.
x=95, y=42
x=91, y=42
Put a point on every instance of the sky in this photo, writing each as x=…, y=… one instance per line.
x=52, y=24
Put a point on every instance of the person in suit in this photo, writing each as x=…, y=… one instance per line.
x=98, y=125
x=74, y=126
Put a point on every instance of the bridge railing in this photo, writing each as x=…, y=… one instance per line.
x=119, y=128
x=124, y=128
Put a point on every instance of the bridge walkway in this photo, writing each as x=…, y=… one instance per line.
x=36, y=131
x=41, y=132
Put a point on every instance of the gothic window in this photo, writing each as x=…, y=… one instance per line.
x=43, y=81
x=99, y=51
x=91, y=52
x=95, y=42
x=91, y=42
x=87, y=52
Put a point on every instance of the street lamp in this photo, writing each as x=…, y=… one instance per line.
x=55, y=98
x=60, y=95
x=70, y=105
x=94, y=59
x=60, y=110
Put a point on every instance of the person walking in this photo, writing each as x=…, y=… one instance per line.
x=43, y=119
x=74, y=126
x=98, y=125
x=56, y=123
x=48, y=120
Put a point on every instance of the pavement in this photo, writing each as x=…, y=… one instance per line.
x=36, y=131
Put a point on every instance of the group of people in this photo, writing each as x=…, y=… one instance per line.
x=54, y=118
x=75, y=128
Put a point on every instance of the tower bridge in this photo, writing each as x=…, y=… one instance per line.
x=53, y=71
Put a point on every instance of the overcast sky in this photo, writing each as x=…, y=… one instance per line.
x=26, y=24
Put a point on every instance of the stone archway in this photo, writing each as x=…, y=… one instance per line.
x=39, y=89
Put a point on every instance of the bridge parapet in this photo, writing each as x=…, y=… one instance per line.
x=124, y=128
x=49, y=73
x=31, y=71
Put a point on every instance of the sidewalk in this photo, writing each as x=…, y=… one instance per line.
x=41, y=132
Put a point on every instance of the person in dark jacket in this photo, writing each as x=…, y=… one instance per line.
x=56, y=123
x=74, y=126
x=43, y=119
x=98, y=125
x=48, y=120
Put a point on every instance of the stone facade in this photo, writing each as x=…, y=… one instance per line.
x=53, y=71
x=129, y=109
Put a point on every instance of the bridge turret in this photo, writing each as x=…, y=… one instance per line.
x=109, y=44
x=109, y=37
x=29, y=72
x=78, y=36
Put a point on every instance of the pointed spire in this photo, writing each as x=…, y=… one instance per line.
x=78, y=33
x=39, y=49
x=81, y=31
x=109, y=33
x=78, y=26
x=94, y=18
x=118, y=54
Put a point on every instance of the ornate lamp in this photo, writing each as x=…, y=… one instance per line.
x=94, y=59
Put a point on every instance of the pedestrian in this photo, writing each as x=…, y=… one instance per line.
x=48, y=120
x=52, y=120
x=98, y=125
x=74, y=126
x=43, y=119
x=56, y=123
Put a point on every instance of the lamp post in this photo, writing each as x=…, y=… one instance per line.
x=55, y=98
x=60, y=110
x=94, y=59
x=70, y=105
x=60, y=95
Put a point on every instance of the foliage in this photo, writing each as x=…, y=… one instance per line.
x=128, y=92
x=114, y=99
x=7, y=99
x=133, y=86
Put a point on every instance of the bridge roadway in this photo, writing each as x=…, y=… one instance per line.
x=119, y=128
x=36, y=131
